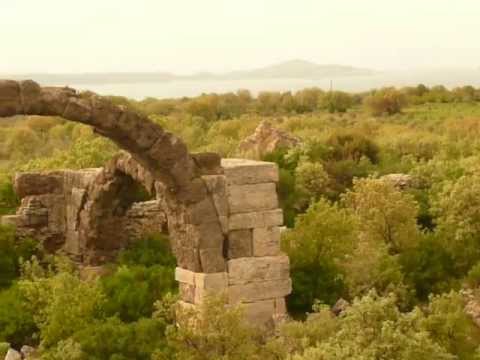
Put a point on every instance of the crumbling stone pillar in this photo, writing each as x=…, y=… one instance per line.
x=257, y=272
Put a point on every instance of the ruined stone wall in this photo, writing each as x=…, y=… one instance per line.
x=218, y=215
x=52, y=207
x=253, y=270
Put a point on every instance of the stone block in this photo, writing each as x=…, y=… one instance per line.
x=252, y=197
x=260, y=219
x=208, y=163
x=212, y=260
x=187, y=258
x=266, y=241
x=247, y=270
x=257, y=291
x=201, y=212
x=205, y=235
x=27, y=184
x=280, y=306
x=187, y=292
x=10, y=220
x=243, y=171
x=184, y=276
x=217, y=188
x=259, y=313
x=211, y=282
x=240, y=244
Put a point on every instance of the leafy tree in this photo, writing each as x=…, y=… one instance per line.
x=458, y=217
x=385, y=101
x=212, y=331
x=372, y=328
x=428, y=267
x=61, y=303
x=12, y=252
x=347, y=145
x=386, y=215
x=336, y=101
x=321, y=239
x=311, y=180
x=17, y=326
x=145, y=274
x=8, y=198
x=449, y=325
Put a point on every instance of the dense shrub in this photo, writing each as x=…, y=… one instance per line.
x=12, y=251
x=17, y=325
x=322, y=238
x=385, y=101
x=145, y=274
x=352, y=146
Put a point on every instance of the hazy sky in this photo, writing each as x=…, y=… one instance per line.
x=219, y=35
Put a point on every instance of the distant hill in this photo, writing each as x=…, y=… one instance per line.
x=299, y=69
x=293, y=69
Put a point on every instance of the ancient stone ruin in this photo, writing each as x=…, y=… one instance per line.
x=222, y=214
x=267, y=139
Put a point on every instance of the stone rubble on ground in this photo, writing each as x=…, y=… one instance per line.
x=267, y=139
x=13, y=355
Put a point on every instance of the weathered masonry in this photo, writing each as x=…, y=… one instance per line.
x=222, y=215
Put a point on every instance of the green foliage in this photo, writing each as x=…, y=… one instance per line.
x=352, y=146
x=385, y=101
x=17, y=325
x=458, y=217
x=145, y=274
x=152, y=250
x=336, y=101
x=312, y=181
x=4, y=348
x=62, y=304
x=374, y=328
x=473, y=276
x=8, y=198
x=12, y=252
x=132, y=291
x=449, y=325
x=113, y=339
x=213, y=331
x=386, y=215
x=429, y=268
x=321, y=240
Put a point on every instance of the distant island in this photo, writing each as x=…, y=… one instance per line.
x=293, y=69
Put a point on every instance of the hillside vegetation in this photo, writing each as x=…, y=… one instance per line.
x=406, y=258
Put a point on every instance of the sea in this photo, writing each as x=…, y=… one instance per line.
x=189, y=88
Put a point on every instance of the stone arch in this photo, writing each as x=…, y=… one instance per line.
x=223, y=216
x=162, y=154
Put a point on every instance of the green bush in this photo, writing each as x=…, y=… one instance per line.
x=8, y=198
x=322, y=238
x=385, y=101
x=428, y=268
x=132, y=290
x=145, y=274
x=4, y=348
x=17, y=325
x=12, y=251
x=111, y=339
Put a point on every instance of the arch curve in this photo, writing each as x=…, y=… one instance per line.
x=159, y=151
